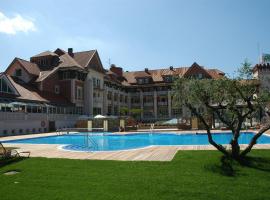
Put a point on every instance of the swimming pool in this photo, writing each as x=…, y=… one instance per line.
x=113, y=142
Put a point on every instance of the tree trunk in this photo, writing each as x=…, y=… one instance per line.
x=208, y=130
x=254, y=140
x=235, y=154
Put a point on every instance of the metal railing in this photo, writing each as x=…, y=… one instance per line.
x=62, y=131
x=89, y=141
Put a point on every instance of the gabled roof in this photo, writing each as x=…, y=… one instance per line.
x=10, y=83
x=215, y=73
x=31, y=68
x=195, y=68
x=59, y=52
x=67, y=61
x=44, y=74
x=158, y=74
x=29, y=92
x=45, y=53
x=95, y=63
x=84, y=57
x=142, y=74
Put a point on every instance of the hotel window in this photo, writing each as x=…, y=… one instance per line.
x=109, y=110
x=4, y=87
x=140, y=81
x=146, y=80
x=66, y=75
x=98, y=83
x=148, y=113
x=115, y=97
x=148, y=99
x=163, y=111
x=94, y=82
x=79, y=93
x=168, y=79
x=115, y=110
x=96, y=111
x=135, y=100
x=109, y=96
x=56, y=89
x=121, y=98
x=18, y=72
x=200, y=76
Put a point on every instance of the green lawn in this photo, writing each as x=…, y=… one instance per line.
x=191, y=175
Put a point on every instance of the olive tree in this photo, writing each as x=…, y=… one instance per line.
x=231, y=100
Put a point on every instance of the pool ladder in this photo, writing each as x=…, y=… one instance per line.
x=90, y=142
x=152, y=126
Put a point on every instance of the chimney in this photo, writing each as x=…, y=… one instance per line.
x=70, y=52
x=171, y=67
x=117, y=70
x=146, y=70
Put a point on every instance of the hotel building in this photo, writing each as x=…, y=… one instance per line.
x=53, y=89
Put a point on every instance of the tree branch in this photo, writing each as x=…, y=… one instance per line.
x=208, y=130
x=254, y=139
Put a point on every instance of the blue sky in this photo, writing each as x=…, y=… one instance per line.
x=138, y=34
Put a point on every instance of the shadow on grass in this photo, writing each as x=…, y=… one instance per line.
x=258, y=163
x=8, y=161
x=231, y=168
x=226, y=167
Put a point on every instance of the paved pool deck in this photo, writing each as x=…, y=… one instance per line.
x=151, y=153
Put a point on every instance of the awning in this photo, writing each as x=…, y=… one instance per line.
x=99, y=117
x=17, y=104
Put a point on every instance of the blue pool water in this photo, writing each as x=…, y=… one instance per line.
x=112, y=142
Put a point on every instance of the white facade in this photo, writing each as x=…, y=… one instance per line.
x=12, y=123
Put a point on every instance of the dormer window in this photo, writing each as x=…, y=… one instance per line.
x=168, y=79
x=143, y=80
x=140, y=81
x=18, y=72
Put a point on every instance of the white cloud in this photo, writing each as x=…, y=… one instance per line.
x=15, y=24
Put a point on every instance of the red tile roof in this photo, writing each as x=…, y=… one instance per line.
x=158, y=74
x=67, y=61
x=84, y=57
x=30, y=67
x=31, y=93
x=45, y=53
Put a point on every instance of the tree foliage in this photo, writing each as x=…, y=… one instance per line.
x=231, y=100
x=123, y=111
x=135, y=112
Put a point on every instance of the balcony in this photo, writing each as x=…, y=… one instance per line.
x=97, y=87
x=162, y=92
x=135, y=104
x=162, y=103
x=97, y=100
x=148, y=93
x=148, y=104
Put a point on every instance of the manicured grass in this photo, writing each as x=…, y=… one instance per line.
x=191, y=175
